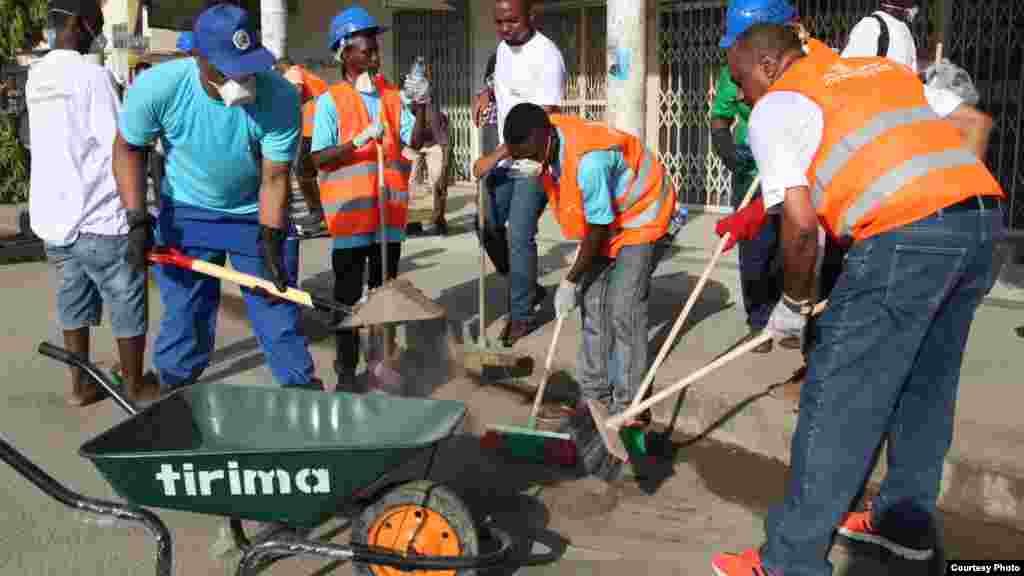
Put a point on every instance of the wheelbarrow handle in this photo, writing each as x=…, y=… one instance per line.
x=170, y=256
x=134, y=514
x=97, y=375
x=377, y=556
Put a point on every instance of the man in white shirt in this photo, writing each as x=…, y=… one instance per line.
x=74, y=203
x=529, y=68
x=886, y=33
x=893, y=169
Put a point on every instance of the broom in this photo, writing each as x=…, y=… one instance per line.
x=528, y=442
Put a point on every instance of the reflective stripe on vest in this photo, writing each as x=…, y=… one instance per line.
x=896, y=179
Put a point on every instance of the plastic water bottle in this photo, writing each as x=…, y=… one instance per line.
x=419, y=69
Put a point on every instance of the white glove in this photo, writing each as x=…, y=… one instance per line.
x=566, y=298
x=417, y=89
x=788, y=319
x=945, y=75
x=374, y=131
x=525, y=168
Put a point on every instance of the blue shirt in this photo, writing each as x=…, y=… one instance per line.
x=213, y=152
x=327, y=133
x=602, y=175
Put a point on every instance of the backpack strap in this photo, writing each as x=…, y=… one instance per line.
x=883, y=36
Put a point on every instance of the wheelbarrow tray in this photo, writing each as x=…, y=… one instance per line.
x=266, y=454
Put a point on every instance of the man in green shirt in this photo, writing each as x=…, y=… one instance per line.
x=759, y=277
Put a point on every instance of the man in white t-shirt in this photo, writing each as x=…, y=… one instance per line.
x=886, y=33
x=529, y=68
x=73, y=200
x=893, y=169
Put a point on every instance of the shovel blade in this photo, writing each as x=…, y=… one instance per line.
x=611, y=439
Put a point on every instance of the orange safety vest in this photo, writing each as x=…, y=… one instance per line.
x=348, y=190
x=886, y=159
x=645, y=207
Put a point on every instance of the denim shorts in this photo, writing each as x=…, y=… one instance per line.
x=92, y=271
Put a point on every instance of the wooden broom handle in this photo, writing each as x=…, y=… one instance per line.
x=633, y=411
x=681, y=320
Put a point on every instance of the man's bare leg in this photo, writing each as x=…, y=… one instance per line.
x=83, y=391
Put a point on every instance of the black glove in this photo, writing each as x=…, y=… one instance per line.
x=725, y=147
x=272, y=252
x=140, y=238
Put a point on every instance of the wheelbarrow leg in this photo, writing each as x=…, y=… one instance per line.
x=57, y=491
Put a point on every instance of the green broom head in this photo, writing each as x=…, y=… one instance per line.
x=532, y=445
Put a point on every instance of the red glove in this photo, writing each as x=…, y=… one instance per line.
x=744, y=224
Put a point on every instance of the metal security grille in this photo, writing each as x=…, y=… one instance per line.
x=690, y=60
x=581, y=34
x=984, y=37
x=443, y=39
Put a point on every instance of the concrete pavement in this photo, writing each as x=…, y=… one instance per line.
x=673, y=522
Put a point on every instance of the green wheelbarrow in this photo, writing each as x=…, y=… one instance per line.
x=292, y=458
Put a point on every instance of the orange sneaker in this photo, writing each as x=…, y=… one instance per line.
x=745, y=564
x=857, y=527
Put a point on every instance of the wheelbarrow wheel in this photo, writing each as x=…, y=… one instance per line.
x=419, y=518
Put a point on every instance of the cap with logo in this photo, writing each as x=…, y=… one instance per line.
x=185, y=42
x=224, y=36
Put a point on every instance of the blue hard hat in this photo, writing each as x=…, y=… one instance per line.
x=185, y=42
x=351, y=21
x=743, y=14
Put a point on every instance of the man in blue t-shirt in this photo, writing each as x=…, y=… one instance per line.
x=230, y=131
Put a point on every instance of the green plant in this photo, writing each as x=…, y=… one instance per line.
x=21, y=23
x=13, y=163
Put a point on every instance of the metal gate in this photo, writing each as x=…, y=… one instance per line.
x=983, y=36
x=690, y=61
x=443, y=38
x=580, y=32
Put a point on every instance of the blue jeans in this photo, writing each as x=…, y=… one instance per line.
x=519, y=202
x=189, y=324
x=759, y=277
x=884, y=365
x=92, y=271
x=612, y=358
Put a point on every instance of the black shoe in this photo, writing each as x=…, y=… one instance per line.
x=436, y=229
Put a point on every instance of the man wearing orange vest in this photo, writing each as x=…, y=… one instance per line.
x=614, y=197
x=352, y=119
x=893, y=169
x=310, y=88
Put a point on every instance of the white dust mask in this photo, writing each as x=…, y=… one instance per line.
x=235, y=93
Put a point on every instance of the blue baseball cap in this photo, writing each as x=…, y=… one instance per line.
x=224, y=36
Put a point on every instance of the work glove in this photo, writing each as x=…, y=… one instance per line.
x=374, y=131
x=272, y=252
x=525, y=168
x=566, y=298
x=140, y=238
x=725, y=147
x=789, y=319
x=744, y=225
x=944, y=75
x=417, y=89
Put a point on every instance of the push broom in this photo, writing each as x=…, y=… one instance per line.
x=528, y=442
x=608, y=425
x=635, y=436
